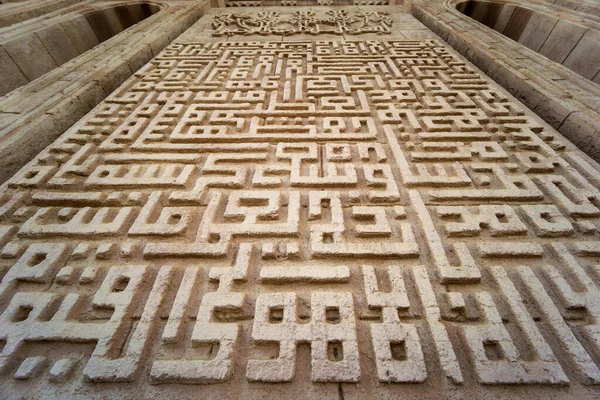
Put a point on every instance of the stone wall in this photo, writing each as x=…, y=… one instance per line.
x=564, y=99
x=36, y=49
x=323, y=202
x=32, y=116
x=576, y=45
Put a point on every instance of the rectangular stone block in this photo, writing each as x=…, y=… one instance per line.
x=503, y=17
x=537, y=31
x=81, y=33
x=12, y=76
x=30, y=55
x=562, y=40
x=517, y=23
x=585, y=57
x=58, y=43
x=113, y=20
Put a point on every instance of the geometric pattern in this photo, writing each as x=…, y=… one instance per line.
x=246, y=211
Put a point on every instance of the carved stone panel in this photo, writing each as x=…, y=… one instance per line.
x=316, y=214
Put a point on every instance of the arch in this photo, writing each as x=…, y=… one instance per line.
x=574, y=46
x=32, y=55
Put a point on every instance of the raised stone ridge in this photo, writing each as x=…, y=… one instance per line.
x=316, y=218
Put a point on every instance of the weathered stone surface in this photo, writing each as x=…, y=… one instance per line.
x=31, y=56
x=47, y=106
x=310, y=216
x=58, y=43
x=584, y=59
x=553, y=91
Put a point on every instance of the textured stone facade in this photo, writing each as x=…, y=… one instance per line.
x=323, y=202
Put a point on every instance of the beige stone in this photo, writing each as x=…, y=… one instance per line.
x=29, y=126
x=537, y=31
x=584, y=59
x=561, y=41
x=81, y=33
x=544, y=86
x=319, y=202
x=58, y=44
x=12, y=76
x=31, y=56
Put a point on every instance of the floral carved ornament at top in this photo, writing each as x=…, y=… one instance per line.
x=337, y=22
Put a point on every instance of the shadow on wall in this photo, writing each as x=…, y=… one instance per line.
x=28, y=57
x=572, y=45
